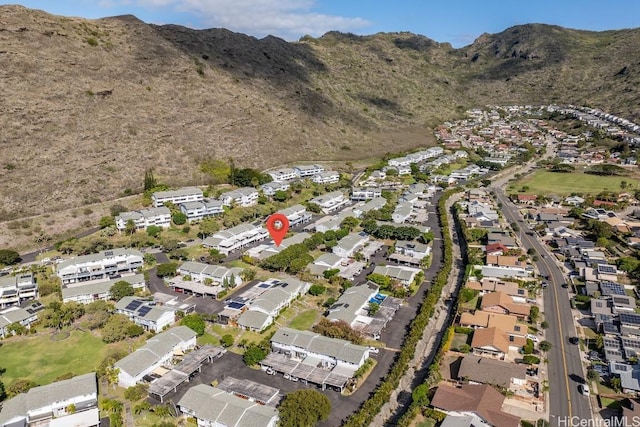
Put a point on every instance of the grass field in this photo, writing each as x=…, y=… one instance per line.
x=304, y=320
x=41, y=359
x=546, y=182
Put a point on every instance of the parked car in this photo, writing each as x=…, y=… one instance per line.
x=574, y=340
x=594, y=355
x=532, y=338
x=374, y=350
x=584, y=389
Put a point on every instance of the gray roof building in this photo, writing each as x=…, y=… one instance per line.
x=486, y=370
x=50, y=402
x=212, y=405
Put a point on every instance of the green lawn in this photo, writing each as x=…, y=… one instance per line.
x=41, y=359
x=304, y=320
x=546, y=182
x=428, y=422
x=207, y=338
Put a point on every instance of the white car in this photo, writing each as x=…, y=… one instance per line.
x=374, y=350
x=584, y=389
x=532, y=338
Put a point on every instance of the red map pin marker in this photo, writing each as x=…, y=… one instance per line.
x=277, y=225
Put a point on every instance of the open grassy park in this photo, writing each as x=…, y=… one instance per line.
x=564, y=184
x=44, y=357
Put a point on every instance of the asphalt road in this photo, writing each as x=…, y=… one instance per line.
x=565, y=370
x=342, y=406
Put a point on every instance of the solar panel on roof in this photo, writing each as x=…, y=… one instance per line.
x=609, y=328
x=133, y=305
x=611, y=288
x=609, y=269
x=143, y=311
x=264, y=285
x=236, y=305
x=632, y=319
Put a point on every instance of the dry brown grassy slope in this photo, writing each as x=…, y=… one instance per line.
x=88, y=105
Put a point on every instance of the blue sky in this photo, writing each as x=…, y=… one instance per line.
x=458, y=22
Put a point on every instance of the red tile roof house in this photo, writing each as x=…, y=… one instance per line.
x=496, y=249
x=527, y=199
x=598, y=203
x=477, y=400
x=500, y=302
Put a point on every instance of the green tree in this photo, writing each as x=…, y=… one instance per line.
x=317, y=289
x=130, y=227
x=9, y=257
x=226, y=340
x=208, y=226
x=534, y=313
x=420, y=395
x=350, y=223
x=280, y=196
x=154, y=231
x=136, y=392
x=374, y=307
x=167, y=269
x=248, y=274
x=116, y=329
x=20, y=386
x=593, y=375
x=149, y=180
x=195, y=322
x=107, y=221
x=544, y=346
x=466, y=294
x=253, y=355
x=179, y=218
x=121, y=289
x=616, y=384
x=304, y=408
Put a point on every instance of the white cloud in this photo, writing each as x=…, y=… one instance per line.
x=289, y=19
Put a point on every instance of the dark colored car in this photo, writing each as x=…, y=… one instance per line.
x=574, y=340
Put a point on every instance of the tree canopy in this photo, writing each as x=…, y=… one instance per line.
x=304, y=408
x=195, y=322
x=9, y=257
x=121, y=289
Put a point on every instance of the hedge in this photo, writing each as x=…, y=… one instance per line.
x=382, y=393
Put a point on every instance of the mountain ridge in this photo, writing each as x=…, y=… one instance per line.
x=91, y=104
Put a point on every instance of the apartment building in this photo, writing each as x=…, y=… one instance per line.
x=183, y=195
x=14, y=290
x=102, y=265
x=196, y=211
x=143, y=218
x=234, y=238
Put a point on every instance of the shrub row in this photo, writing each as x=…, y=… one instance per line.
x=370, y=407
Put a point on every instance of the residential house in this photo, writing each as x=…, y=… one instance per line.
x=331, y=201
x=244, y=197
x=491, y=284
x=72, y=402
x=102, y=265
x=24, y=316
x=372, y=205
x=410, y=252
x=526, y=199
x=196, y=211
x=480, y=401
x=484, y=370
x=514, y=330
x=146, y=313
x=365, y=193
x=500, y=302
x=234, y=238
x=574, y=200
x=285, y=174
x=353, y=305
x=326, y=177
x=211, y=406
x=296, y=214
x=496, y=249
x=88, y=292
x=264, y=309
x=350, y=244
x=143, y=218
x=157, y=351
x=332, y=351
x=404, y=275
x=502, y=237
x=305, y=171
x=629, y=376
x=218, y=275
x=324, y=262
x=188, y=194
x=505, y=272
x=14, y=290
x=264, y=251
x=270, y=188
x=402, y=213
